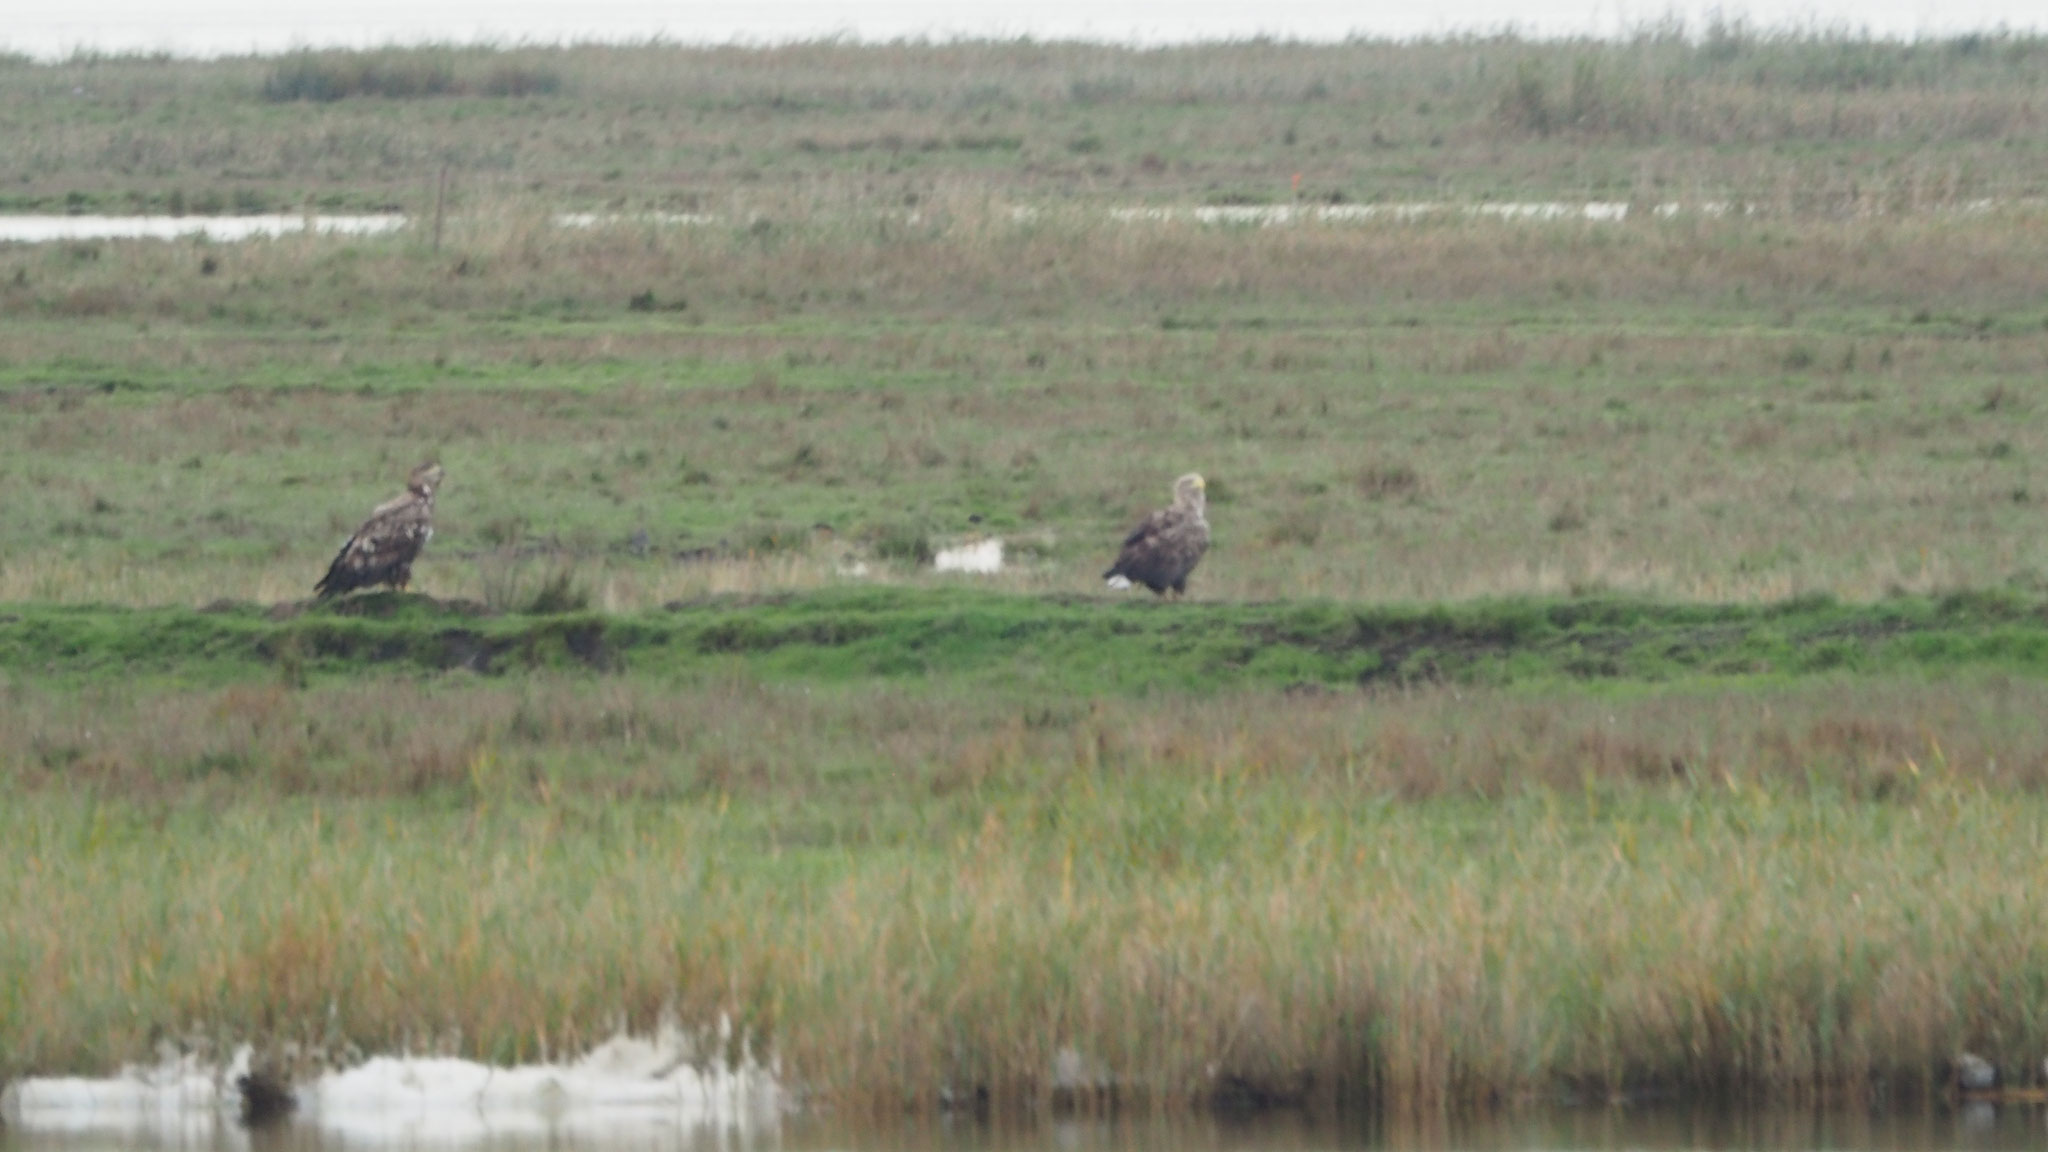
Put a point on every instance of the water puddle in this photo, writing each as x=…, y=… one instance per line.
x=45, y=229
x=1272, y=214
x=976, y=556
x=630, y=1094
x=669, y=219
x=1535, y=211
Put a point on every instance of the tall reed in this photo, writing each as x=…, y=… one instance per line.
x=1186, y=936
x=906, y=900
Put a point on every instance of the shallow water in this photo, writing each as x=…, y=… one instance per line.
x=627, y=1092
x=44, y=229
x=370, y=1125
x=647, y=1093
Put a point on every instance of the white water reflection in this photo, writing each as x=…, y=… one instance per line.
x=977, y=556
x=180, y=1103
x=629, y=1091
x=44, y=229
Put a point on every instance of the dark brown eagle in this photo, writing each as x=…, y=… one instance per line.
x=1165, y=546
x=383, y=549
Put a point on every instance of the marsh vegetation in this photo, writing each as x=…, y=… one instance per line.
x=1617, y=666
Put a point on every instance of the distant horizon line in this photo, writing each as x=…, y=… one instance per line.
x=1805, y=31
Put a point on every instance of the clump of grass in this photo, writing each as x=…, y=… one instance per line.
x=902, y=542
x=1390, y=481
x=1569, y=516
x=520, y=78
x=501, y=576
x=390, y=73
x=1596, y=100
x=406, y=74
x=561, y=591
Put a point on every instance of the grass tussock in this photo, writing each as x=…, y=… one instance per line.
x=406, y=74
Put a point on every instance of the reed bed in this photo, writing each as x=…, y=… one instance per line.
x=1441, y=900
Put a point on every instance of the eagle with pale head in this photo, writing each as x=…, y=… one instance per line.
x=1166, y=545
x=383, y=549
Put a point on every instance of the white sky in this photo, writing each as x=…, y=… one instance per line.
x=48, y=28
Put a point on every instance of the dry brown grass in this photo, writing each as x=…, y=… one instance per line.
x=632, y=739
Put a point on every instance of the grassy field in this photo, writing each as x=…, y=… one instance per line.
x=1617, y=669
x=1707, y=411
x=1793, y=121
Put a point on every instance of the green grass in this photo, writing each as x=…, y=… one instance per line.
x=1725, y=434
x=1066, y=645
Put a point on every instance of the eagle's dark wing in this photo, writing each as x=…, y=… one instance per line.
x=1161, y=551
x=383, y=549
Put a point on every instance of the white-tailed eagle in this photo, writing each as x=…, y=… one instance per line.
x=1164, y=547
x=383, y=549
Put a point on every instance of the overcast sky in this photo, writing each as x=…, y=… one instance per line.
x=51, y=28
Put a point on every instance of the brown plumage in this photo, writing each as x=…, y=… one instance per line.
x=1165, y=546
x=383, y=549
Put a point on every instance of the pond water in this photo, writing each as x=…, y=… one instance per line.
x=44, y=229
x=627, y=1092
x=369, y=1126
x=644, y=1093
